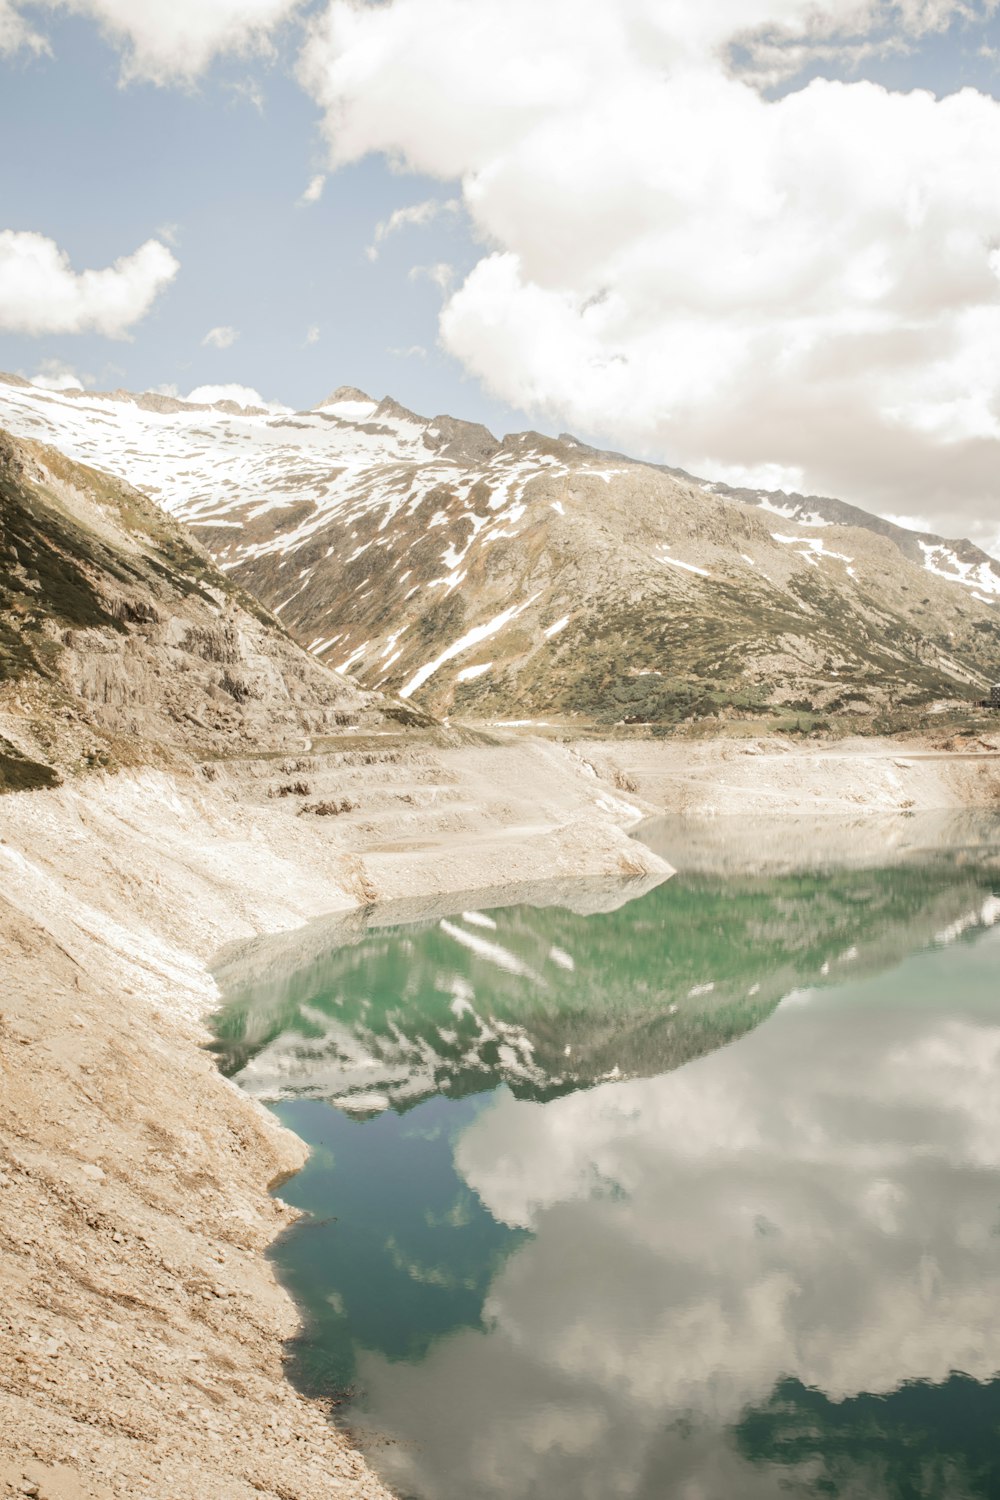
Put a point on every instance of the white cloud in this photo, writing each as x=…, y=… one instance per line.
x=41, y=293
x=413, y=215
x=220, y=338
x=163, y=41
x=242, y=395
x=413, y=351
x=53, y=375
x=680, y=265
x=312, y=334
x=15, y=33
x=763, y=477
x=314, y=191
x=909, y=523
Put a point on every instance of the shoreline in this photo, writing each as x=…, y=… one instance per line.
x=142, y=1326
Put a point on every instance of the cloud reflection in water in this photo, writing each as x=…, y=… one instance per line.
x=820, y=1201
x=748, y=1275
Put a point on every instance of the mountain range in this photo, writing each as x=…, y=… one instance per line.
x=538, y=578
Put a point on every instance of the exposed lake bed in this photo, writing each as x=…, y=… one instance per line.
x=132, y=1165
x=695, y=1194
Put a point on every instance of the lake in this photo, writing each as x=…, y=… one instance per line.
x=690, y=1191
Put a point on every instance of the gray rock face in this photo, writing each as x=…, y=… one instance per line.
x=538, y=577
x=342, y=393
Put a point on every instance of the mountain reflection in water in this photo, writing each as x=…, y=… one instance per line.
x=563, y=1265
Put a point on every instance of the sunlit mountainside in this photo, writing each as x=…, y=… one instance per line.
x=535, y=577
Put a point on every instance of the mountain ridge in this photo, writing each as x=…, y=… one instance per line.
x=540, y=576
x=795, y=505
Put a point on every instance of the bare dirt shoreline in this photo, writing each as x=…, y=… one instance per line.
x=141, y=1328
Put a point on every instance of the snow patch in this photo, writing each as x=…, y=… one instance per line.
x=469, y=674
x=944, y=563
x=493, y=953
x=792, y=513
x=987, y=915
x=814, y=548
x=661, y=555
x=346, y=665
x=351, y=411
x=471, y=638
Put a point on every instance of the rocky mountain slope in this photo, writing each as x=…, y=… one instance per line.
x=122, y=642
x=537, y=577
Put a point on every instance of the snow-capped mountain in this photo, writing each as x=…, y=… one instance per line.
x=539, y=576
x=957, y=561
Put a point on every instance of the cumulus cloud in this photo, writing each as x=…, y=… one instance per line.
x=53, y=375
x=242, y=395
x=312, y=334
x=163, y=41
x=208, y=395
x=910, y=523
x=223, y=337
x=414, y=214
x=41, y=293
x=680, y=264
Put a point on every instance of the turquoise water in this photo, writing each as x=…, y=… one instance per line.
x=693, y=1194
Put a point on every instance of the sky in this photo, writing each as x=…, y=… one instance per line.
x=756, y=238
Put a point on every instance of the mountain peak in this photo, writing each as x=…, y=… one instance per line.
x=347, y=395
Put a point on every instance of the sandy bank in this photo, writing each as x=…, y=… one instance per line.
x=725, y=776
x=141, y=1329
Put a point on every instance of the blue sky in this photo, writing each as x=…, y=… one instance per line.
x=647, y=299
x=962, y=55
x=218, y=170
